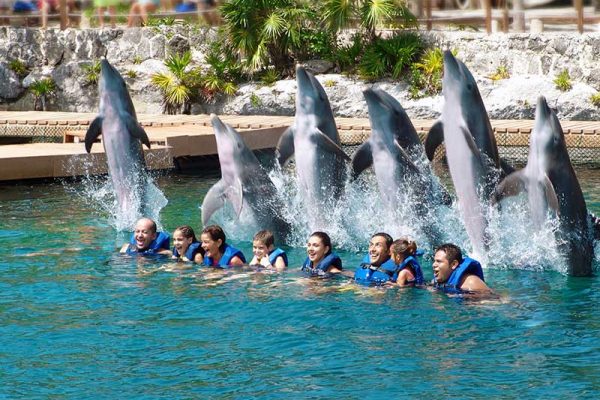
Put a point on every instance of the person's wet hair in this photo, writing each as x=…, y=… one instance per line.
x=216, y=232
x=388, y=238
x=266, y=237
x=187, y=232
x=452, y=252
x=404, y=246
x=325, y=239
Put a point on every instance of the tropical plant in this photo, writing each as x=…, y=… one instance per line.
x=131, y=74
x=18, y=67
x=266, y=32
x=91, y=73
x=370, y=15
x=255, y=101
x=180, y=85
x=501, y=73
x=223, y=72
x=563, y=81
x=391, y=55
x=347, y=57
x=269, y=76
x=137, y=60
x=595, y=99
x=426, y=75
x=41, y=90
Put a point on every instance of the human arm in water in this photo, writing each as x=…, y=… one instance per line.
x=472, y=283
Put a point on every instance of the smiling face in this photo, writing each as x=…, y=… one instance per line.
x=260, y=249
x=442, y=268
x=316, y=249
x=378, y=250
x=180, y=242
x=144, y=233
x=210, y=246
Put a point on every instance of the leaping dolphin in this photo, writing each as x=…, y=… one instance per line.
x=551, y=185
x=314, y=139
x=471, y=149
x=244, y=183
x=397, y=156
x=122, y=137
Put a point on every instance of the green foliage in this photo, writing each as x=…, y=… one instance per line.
x=131, y=74
x=180, y=85
x=501, y=73
x=346, y=57
x=91, y=73
x=41, y=90
x=269, y=76
x=18, y=67
x=563, y=81
x=426, y=75
x=223, y=72
x=329, y=83
x=255, y=101
x=137, y=60
x=265, y=32
x=595, y=99
x=166, y=21
x=391, y=55
x=370, y=14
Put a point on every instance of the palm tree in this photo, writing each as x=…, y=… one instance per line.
x=370, y=14
x=179, y=85
x=41, y=90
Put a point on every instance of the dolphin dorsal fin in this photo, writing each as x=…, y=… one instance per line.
x=329, y=145
x=285, y=146
x=93, y=132
x=136, y=130
x=435, y=137
x=512, y=185
x=362, y=159
x=213, y=201
x=473, y=146
x=550, y=193
x=404, y=158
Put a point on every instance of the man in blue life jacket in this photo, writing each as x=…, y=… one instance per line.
x=146, y=240
x=377, y=267
x=455, y=274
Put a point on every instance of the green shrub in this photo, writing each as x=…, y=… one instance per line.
x=131, y=74
x=426, y=75
x=269, y=77
x=18, y=67
x=255, y=101
x=346, y=57
x=41, y=90
x=595, y=99
x=501, y=73
x=91, y=73
x=329, y=83
x=390, y=56
x=137, y=60
x=563, y=81
x=180, y=85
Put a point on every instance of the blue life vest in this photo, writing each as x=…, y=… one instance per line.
x=368, y=274
x=228, y=254
x=193, y=249
x=322, y=268
x=277, y=253
x=162, y=241
x=467, y=267
x=412, y=262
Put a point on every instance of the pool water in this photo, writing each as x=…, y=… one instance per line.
x=79, y=321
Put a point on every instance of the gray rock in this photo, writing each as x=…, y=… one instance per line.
x=10, y=86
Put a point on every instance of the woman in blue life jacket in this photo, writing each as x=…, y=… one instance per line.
x=454, y=274
x=265, y=253
x=217, y=252
x=403, y=252
x=185, y=245
x=321, y=261
x=145, y=240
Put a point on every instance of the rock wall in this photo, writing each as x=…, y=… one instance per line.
x=533, y=61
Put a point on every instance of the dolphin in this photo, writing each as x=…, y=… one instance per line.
x=552, y=187
x=244, y=183
x=397, y=155
x=122, y=137
x=314, y=139
x=471, y=149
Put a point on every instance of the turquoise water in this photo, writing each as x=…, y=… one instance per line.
x=79, y=321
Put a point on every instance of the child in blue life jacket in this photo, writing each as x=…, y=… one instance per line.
x=265, y=253
x=146, y=240
x=403, y=252
x=218, y=253
x=185, y=245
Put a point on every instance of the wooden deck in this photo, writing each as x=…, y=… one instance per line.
x=175, y=136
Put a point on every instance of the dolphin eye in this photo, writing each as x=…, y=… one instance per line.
x=469, y=87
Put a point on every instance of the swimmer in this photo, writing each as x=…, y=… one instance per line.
x=377, y=267
x=217, y=252
x=185, y=245
x=403, y=252
x=145, y=240
x=321, y=261
x=455, y=274
x=265, y=253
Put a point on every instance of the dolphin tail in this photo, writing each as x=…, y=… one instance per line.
x=92, y=133
x=285, y=146
x=512, y=185
x=213, y=201
x=434, y=139
x=362, y=159
x=331, y=146
x=136, y=130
